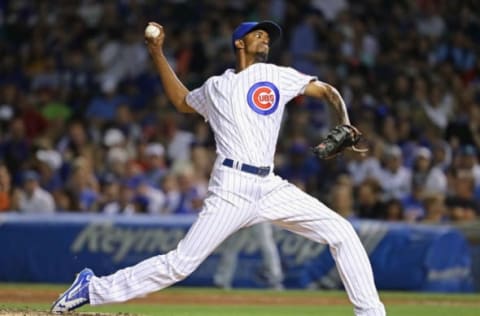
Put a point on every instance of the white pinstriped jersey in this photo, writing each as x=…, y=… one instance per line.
x=245, y=109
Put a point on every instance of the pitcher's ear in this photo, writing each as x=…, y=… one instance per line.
x=239, y=44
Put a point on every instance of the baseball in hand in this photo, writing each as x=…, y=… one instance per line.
x=152, y=31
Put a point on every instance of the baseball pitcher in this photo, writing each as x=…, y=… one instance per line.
x=244, y=107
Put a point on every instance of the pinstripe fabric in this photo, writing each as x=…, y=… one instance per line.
x=238, y=199
x=223, y=103
x=225, y=211
x=292, y=209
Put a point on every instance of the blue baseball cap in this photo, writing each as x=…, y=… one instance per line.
x=272, y=28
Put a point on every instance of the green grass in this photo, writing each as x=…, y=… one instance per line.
x=398, y=304
x=195, y=310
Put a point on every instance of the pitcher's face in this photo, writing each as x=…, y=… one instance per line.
x=257, y=43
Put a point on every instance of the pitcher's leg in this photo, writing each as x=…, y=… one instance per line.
x=354, y=268
x=294, y=210
x=158, y=272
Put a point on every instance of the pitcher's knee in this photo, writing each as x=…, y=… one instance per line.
x=180, y=273
x=179, y=266
x=344, y=232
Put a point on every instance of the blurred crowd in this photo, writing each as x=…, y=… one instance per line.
x=86, y=127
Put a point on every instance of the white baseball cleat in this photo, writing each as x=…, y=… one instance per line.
x=77, y=294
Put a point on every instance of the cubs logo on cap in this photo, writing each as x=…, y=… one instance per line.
x=263, y=97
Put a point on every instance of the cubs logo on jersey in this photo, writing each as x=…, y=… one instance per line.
x=263, y=97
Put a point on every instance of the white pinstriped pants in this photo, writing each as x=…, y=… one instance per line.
x=237, y=199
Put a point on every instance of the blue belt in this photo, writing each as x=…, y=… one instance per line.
x=259, y=171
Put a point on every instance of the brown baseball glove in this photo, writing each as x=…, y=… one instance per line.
x=341, y=137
